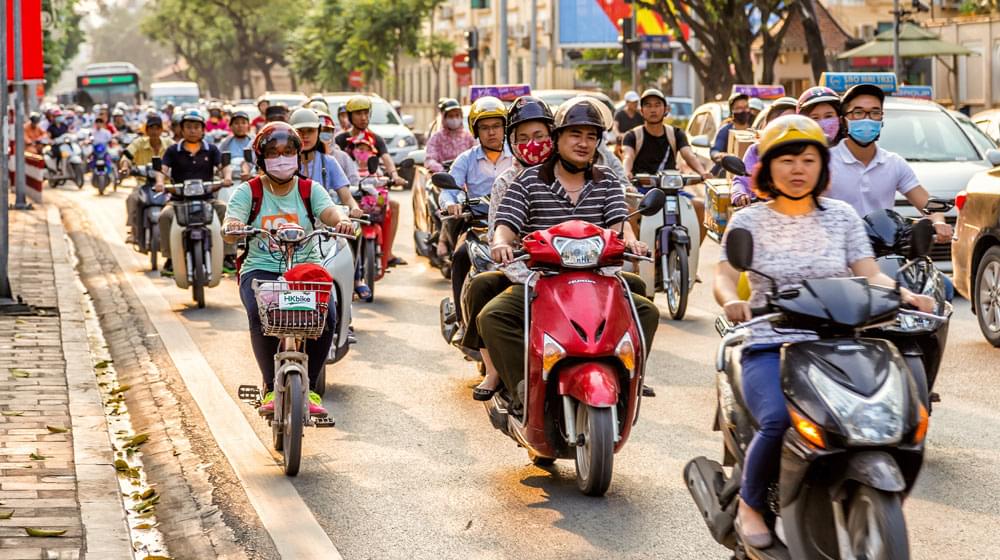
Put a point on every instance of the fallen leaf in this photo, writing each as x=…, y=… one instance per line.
x=37, y=457
x=33, y=532
x=148, y=494
x=12, y=413
x=145, y=526
x=156, y=558
x=120, y=389
x=121, y=465
x=20, y=373
x=103, y=364
x=57, y=429
x=145, y=514
x=138, y=440
x=6, y=514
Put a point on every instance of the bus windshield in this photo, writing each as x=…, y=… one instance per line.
x=108, y=88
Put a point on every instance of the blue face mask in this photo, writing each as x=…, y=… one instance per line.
x=864, y=131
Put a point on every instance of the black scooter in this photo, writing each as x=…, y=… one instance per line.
x=147, y=235
x=919, y=340
x=427, y=222
x=856, y=443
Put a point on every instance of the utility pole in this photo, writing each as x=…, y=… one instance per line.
x=5, y=293
x=19, y=202
x=897, y=16
x=502, y=74
x=534, y=44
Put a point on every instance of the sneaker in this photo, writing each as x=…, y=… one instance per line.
x=229, y=264
x=316, y=405
x=167, y=269
x=267, y=404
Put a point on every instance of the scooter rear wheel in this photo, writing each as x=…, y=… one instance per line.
x=675, y=282
x=876, y=526
x=595, y=458
x=293, y=418
x=370, y=268
x=153, y=246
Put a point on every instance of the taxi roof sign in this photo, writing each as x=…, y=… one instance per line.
x=843, y=81
x=915, y=92
x=760, y=91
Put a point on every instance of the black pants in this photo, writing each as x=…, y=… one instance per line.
x=265, y=347
x=460, y=265
x=483, y=288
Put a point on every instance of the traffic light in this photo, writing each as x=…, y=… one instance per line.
x=472, y=44
x=628, y=40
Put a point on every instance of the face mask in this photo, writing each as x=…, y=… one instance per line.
x=282, y=168
x=453, y=123
x=741, y=117
x=864, y=131
x=830, y=126
x=326, y=137
x=534, y=152
x=362, y=158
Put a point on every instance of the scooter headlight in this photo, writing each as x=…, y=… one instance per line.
x=874, y=420
x=672, y=181
x=194, y=188
x=552, y=352
x=579, y=253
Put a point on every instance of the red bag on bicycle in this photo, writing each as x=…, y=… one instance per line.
x=309, y=272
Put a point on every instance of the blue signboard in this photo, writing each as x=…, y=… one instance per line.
x=843, y=81
x=585, y=23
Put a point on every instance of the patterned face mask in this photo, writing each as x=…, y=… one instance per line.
x=534, y=152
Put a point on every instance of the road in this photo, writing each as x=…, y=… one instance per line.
x=414, y=469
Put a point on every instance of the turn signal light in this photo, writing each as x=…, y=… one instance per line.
x=921, y=432
x=807, y=429
x=960, y=199
x=552, y=352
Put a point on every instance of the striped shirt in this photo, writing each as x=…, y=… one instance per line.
x=536, y=200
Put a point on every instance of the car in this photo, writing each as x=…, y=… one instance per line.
x=701, y=128
x=384, y=121
x=556, y=97
x=975, y=248
x=989, y=122
x=292, y=100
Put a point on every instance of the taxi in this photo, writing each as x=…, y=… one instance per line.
x=707, y=119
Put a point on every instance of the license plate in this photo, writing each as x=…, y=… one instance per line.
x=297, y=301
x=671, y=206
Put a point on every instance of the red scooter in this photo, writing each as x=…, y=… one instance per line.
x=373, y=247
x=584, y=356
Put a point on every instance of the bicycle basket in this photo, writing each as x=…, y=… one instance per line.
x=292, y=308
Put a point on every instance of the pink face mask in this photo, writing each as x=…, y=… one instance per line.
x=534, y=152
x=282, y=168
x=830, y=126
x=362, y=156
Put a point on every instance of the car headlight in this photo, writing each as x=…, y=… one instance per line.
x=579, y=253
x=405, y=140
x=552, y=352
x=194, y=188
x=874, y=420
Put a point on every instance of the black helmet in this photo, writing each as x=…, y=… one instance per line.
x=863, y=89
x=580, y=111
x=528, y=108
x=153, y=120
x=448, y=104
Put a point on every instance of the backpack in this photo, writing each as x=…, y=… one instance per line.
x=257, y=200
x=640, y=135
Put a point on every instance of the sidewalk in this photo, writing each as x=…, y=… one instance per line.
x=52, y=479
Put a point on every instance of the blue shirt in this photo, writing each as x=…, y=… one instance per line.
x=236, y=146
x=476, y=172
x=325, y=170
x=721, y=143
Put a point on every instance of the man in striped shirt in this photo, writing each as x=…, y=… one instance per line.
x=567, y=187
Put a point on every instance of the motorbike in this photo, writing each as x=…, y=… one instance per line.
x=856, y=442
x=676, y=248
x=122, y=140
x=920, y=341
x=70, y=164
x=372, y=195
x=427, y=223
x=147, y=238
x=475, y=212
x=585, y=355
x=292, y=311
x=102, y=171
x=196, y=244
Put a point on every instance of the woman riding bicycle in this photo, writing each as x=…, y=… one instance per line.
x=277, y=149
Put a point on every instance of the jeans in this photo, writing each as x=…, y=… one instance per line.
x=766, y=401
x=265, y=347
x=949, y=288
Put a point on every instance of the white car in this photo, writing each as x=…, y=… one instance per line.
x=385, y=122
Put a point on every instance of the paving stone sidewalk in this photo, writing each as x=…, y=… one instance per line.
x=52, y=479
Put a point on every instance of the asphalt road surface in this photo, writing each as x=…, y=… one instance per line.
x=414, y=469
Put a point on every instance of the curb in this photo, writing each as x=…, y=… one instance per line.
x=102, y=511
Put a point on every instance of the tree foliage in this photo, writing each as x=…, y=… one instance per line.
x=60, y=43
x=314, y=51
x=607, y=74
x=113, y=41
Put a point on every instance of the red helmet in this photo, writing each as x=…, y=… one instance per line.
x=278, y=132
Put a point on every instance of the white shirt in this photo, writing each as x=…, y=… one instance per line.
x=872, y=187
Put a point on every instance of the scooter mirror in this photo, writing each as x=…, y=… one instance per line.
x=921, y=239
x=157, y=164
x=936, y=205
x=227, y=158
x=652, y=203
x=734, y=165
x=445, y=181
x=739, y=248
x=247, y=154
x=372, y=165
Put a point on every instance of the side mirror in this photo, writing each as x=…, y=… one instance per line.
x=993, y=156
x=734, y=165
x=444, y=181
x=700, y=141
x=739, y=248
x=247, y=155
x=938, y=206
x=652, y=203
x=372, y=165
x=409, y=121
x=157, y=164
x=227, y=158
x=921, y=239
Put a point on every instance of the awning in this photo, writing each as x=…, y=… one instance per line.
x=914, y=42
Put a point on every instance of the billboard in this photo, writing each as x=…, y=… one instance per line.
x=594, y=23
x=31, y=38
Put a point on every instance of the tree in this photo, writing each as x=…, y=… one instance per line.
x=109, y=43
x=62, y=41
x=814, y=40
x=607, y=74
x=436, y=50
x=313, y=52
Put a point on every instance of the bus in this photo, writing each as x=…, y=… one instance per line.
x=108, y=83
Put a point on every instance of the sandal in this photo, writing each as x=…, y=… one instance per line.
x=364, y=292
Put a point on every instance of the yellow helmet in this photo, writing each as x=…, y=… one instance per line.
x=358, y=103
x=790, y=129
x=487, y=107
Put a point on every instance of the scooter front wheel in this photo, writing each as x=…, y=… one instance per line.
x=78, y=175
x=675, y=282
x=293, y=419
x=153, y=245
x=198, y=278
x=595, y=458
x=876, y=526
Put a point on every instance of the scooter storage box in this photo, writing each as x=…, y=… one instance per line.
x=719, y=209
x=193, y=213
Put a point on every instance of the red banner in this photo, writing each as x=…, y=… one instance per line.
x=31, y=39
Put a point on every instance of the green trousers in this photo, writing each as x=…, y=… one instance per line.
x=501, y=326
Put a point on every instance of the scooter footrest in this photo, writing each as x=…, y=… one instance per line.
x=324, y=422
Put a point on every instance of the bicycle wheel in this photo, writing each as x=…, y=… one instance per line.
x=293, y=418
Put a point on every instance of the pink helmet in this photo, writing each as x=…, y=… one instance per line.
x=816, y=95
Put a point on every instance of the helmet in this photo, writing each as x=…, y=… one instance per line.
x=56, y=112
x=358, y=103
x=176, y=118
x=239, y=114
x=193, y=115
x=736, y=96
x=756, y=104
x=631, y=96
x=262, y=99
x=304, y=118
x=325, y=119
x=783, y=103
x=816, y=95
x=117, y=113
x=790, y=129
x=153, y=120
x=580, y=111
x=121, y=106
x=487, y=107
x=527, y=108
x=653, y=92
x=863, y=89
x=34, y=117
x=448, y=104
x=277, y=132
x=341, y=109
x=215, y=106
x=319, y=104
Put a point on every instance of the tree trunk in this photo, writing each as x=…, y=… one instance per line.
x=265, y=70
x=395, y=74
x=814, y=41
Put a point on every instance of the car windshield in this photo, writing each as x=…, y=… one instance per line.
x=981, y=139
x=920, y=135
x=680, y=109
x=382, y=112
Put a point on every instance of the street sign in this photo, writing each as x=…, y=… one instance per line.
x=356, y=79
x=760, y=91
x=657, y=43
x=843, y=81
x=464, y=80
x=460, y=64
x=31, y=39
